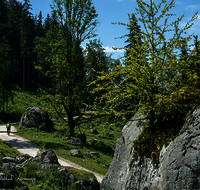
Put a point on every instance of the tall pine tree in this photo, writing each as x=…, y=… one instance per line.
x=133, y=37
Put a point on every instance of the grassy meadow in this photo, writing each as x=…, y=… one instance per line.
x=42, y=179
x=103, y=142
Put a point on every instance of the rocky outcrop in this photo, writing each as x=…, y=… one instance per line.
x=12, y=169
x=179, y=166
x=36, y=117
x=45, y=160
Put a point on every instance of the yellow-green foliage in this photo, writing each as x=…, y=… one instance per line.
x=148, y=85
x=150, y=144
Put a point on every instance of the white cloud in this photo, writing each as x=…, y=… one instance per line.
x=107, y=49
x=195, y=28
x=179, y=3
x=110, y=49
x=193, y=7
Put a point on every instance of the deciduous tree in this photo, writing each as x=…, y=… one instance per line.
x=77, y=22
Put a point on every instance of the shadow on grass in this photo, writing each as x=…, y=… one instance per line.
x=19, y=144
x=100, y=146
x=52, y=145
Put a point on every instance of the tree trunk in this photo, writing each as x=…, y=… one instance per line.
x=13, y=65
x=29, y=78
x=3, y=101
x=7, y=107
x=71, y=125
x=23, y=66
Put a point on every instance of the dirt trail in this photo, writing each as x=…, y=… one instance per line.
x=26, y=147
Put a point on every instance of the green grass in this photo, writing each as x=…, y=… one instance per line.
x=105, y=145
x=8, y=151
x=42, y=179
x=50, y=179
x=15, y=109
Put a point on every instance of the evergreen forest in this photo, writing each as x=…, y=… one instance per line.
x=29, y=42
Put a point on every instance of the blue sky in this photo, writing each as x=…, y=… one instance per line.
x=117, y=11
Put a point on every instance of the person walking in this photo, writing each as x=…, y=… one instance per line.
x=8, y=126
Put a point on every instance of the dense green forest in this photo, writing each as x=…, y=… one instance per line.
x=45, y=57
x=18, y=31
x=27, y=47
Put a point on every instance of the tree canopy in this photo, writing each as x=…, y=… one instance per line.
x=148, y=87
x=67, y=70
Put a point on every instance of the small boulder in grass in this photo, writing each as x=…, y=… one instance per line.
x=95, y=154
x=9, y=160
x=76, y=153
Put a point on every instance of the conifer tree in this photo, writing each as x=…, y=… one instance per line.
x=47, y=22
x=189, y=85
x=6, y=93
x=39, y=25
x=134, y=36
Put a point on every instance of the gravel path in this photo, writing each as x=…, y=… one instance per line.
x=26, y=147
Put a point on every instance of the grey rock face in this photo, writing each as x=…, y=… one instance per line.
x=23, y=158
x=50, y=157
x=179, y=166
x=76, y=153
x=35, y=117
x=11, y=168
x=119, y=170
x=76, y=142
x=45, y=160
x=9, y=159
x=82, y=185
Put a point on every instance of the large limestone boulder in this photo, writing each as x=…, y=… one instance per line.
x=35, y=117
x=45, y=160
x=179, y=166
